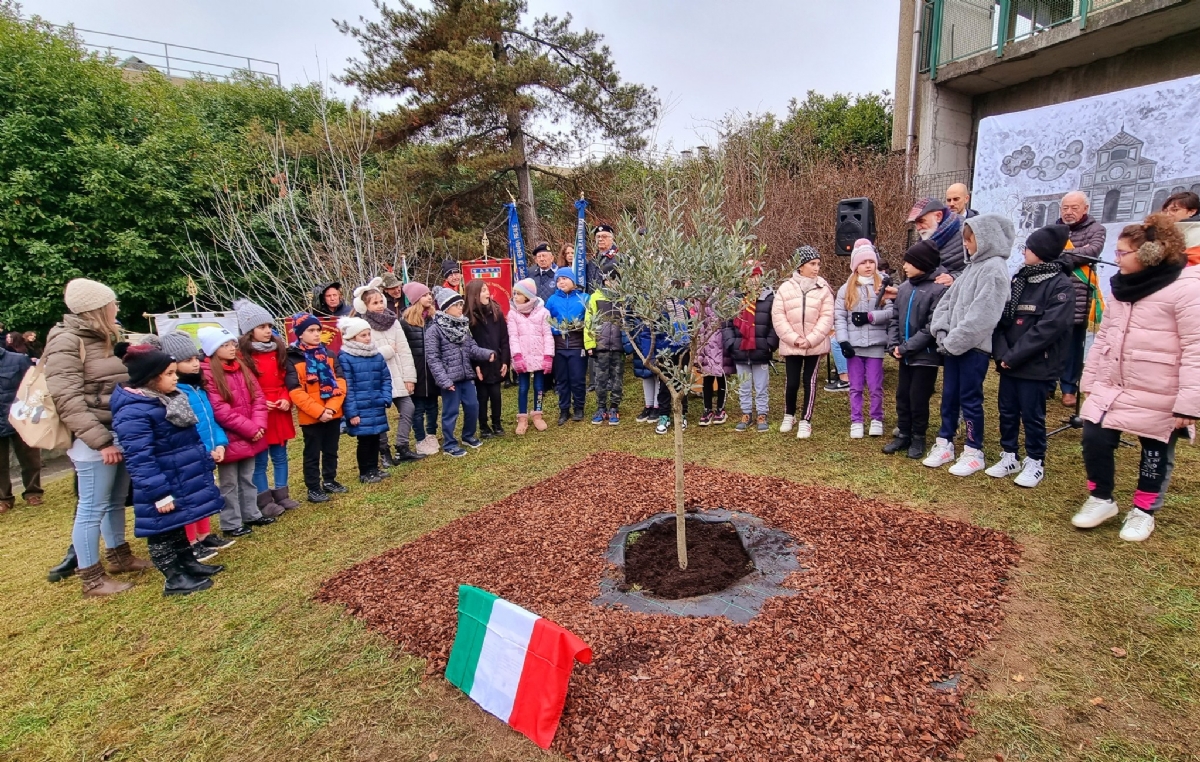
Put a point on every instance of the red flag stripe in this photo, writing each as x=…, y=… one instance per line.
x=542, y=690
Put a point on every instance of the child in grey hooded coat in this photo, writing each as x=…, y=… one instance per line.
x=962, y=325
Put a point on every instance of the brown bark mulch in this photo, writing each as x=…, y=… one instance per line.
x=890, y=601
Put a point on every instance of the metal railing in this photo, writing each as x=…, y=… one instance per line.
x=952, y=30
x=172, y=60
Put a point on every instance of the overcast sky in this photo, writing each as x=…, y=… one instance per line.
x=706, y=57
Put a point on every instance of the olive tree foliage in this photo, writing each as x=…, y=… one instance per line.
x=683, y=271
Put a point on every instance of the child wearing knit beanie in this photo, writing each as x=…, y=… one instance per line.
x=860, y=319
x=318, y=391
x=531, y=344
x=265, y=353
x=368, y=395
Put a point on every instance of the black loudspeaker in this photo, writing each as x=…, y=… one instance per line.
x=855, y=219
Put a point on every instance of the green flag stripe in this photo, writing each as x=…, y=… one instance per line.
x=474, y=611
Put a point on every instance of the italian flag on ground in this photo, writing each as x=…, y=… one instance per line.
x=513, y=663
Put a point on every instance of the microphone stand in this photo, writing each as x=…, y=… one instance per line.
x=1076, y=420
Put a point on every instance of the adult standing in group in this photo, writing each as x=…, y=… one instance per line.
x=958, y=199
x=1087, y=241
x=604, y=262
x=393, y=292
x=81, y=373
x=328, y=302
x=802, y=315
x=452, y=277
x=543, y=271
x=13, y=366
x=942, y=227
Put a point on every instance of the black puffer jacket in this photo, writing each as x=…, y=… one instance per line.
x=911, y=313
x=12, y=369
x=766, y=341
x=1034, y=343
x=1087, y=240
x=492, y=333
x=415, y=334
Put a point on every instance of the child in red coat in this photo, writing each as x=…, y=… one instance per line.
x=266, y=356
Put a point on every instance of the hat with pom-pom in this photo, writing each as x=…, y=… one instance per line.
x=250, y=315
x=145, y=363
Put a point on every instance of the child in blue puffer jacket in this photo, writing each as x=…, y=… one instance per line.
x=368, y=394
x=568, y=309
x=205, y=543
x=169, y=467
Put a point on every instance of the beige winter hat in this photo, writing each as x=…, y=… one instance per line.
x=85, y=295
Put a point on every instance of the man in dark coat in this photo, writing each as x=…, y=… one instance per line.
x=934, y=222
x=328, y=302
x=393, y=293
x=958, y=198
x=1087, y=241
x=13, y=366
x=543, y=271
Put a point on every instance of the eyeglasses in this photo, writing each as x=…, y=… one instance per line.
x=1122, y=252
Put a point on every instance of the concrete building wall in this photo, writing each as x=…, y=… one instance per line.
x=904, y=46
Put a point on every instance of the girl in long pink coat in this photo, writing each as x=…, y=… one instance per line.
x=531, y=344
x=240, y=409
x=803, y=318
x=1143, y=372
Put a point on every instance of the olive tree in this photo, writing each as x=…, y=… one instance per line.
x=682, y=271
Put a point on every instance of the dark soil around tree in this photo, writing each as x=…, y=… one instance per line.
x=716, y=560
x=889, y=601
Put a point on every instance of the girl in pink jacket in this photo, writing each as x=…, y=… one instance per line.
x=240, y=408
x=803, y=318
x=1143, y=372
x=532, y=347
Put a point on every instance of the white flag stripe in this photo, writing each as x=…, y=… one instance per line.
x=502, y=657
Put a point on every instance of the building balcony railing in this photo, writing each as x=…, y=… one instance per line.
x=952, y=30
x=179, y=61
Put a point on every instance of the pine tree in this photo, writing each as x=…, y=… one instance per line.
x=496, y=92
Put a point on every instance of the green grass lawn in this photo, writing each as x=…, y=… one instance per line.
x=255, y=670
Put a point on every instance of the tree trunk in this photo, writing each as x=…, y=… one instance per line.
x=525, y=202
x=680, y=515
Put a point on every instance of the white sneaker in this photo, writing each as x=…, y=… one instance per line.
x=876, y=429
x=970, y=462
x=856, y=431
x=1007, y=466
x=1138, y=525
x=1031, y=474
x=1094, y=513
x=803, y=429
x=941, y=454
x=786, y=424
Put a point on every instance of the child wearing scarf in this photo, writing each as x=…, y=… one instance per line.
x=368, y=394
x=370, y=304
x=169, y=467
x=317, y=389
x=750, y=340
x=531, y=344
x=241, y=411
x=449, y=350
x=1029, y=348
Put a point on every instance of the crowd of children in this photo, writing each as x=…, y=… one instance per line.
x=168, y=413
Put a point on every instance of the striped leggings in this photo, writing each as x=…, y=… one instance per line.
x=801, y=371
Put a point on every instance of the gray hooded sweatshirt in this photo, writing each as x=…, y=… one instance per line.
x=966, y=316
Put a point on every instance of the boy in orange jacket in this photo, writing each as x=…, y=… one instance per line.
x=317, y=389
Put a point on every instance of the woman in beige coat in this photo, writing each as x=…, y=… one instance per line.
x=81, y=373
x=803, y=318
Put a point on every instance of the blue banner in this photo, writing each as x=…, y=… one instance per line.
x=516, y=244
x=580, y=263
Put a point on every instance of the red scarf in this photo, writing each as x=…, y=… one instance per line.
x=744, y=323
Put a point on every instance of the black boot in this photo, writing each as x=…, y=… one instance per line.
x=66, y=568
x=498, y=430
x=563, y=417
x=187, y=558
x=385, y=457
x=916, y=450
x=405, y=455
x=901, y=442
x=168, y=561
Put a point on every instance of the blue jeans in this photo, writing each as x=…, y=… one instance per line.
x=523, y=382
x=425, y=415
x=839, y=360
x=101, y=509
x=278, y=456
x=463, y=394
x=962, y=389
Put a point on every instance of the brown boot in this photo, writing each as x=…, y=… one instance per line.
x=97, y=584
x=538, y=423
x=121, y=560
x=522, y=423
x=283, y=499
x=5, y=506
x=267, y=506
